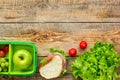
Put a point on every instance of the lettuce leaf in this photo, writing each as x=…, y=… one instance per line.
x=43, y=61
x=52, y=50
x=101, y=63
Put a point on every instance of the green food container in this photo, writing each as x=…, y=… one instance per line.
x=13, y=69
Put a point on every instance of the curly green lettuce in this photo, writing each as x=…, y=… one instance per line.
x=101, y=63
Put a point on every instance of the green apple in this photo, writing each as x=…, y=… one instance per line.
x=22, y=59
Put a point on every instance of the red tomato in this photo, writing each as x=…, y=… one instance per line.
x=72, y=52
x=83, y=44
x=2, y=54
x=6, y=48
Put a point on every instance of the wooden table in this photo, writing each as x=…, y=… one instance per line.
x=60, y=24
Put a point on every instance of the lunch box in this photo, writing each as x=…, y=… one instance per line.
x=13, y=47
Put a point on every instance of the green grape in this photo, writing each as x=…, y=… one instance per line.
x=0, y=69
x=2, y=65
x=3, y=60
x=5, y=69
x=6, y=64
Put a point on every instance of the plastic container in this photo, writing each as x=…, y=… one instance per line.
x=14, y=70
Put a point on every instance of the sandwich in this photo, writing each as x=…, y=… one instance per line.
x=53, y=66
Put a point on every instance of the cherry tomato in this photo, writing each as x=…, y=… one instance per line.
x=6, y=48
x=2, y=54
x=83, y=44
x=72, y=52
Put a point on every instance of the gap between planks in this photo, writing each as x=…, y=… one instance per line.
x=50, y=22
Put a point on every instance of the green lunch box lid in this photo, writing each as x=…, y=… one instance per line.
x=15, y=46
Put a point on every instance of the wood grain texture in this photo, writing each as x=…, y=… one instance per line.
x=36, y=76
x=59, y=24
x=59, y=10
x=61, y=35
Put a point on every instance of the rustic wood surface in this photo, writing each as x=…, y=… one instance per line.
x=59, y=10
x=59, y=24
x=60, y=36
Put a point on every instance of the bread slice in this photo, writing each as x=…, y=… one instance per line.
x=52, y=68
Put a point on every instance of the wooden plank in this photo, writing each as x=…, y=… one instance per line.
x=62, y=35
x=59, y=11
x=36, y=76
x=59, y=36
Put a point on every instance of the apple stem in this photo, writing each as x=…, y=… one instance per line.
x=21, y=57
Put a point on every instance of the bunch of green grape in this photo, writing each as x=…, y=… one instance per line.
x=4, y=65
